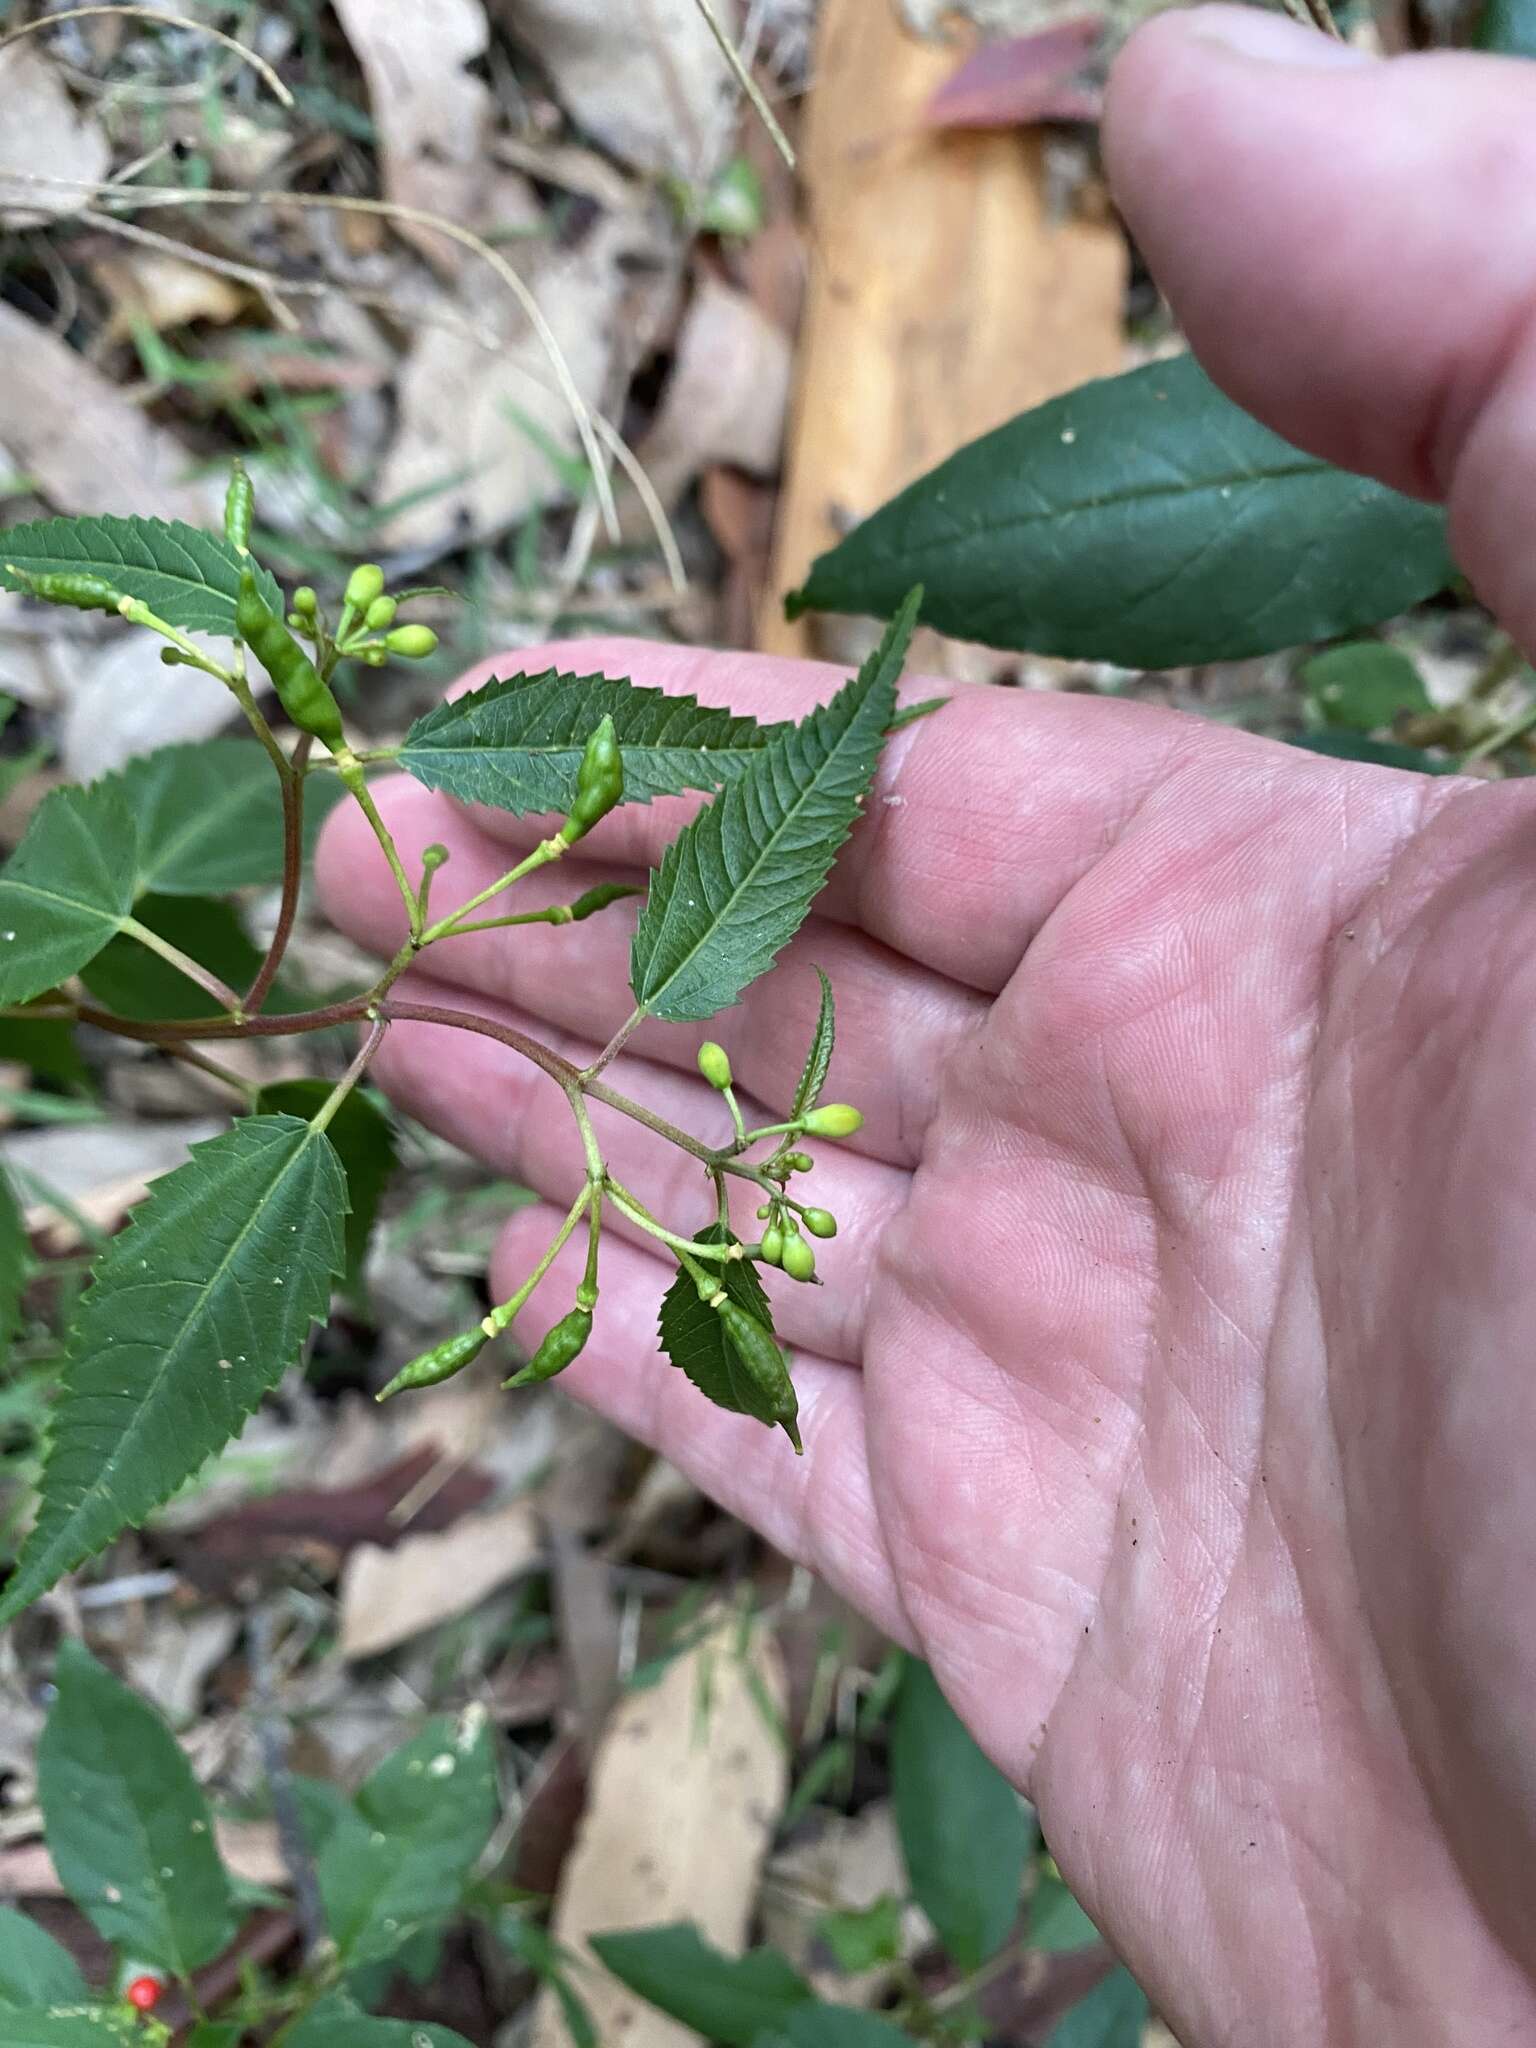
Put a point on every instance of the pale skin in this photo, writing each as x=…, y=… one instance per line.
x=1171, y=1388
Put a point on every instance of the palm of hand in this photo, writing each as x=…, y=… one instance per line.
x=1187, y=1440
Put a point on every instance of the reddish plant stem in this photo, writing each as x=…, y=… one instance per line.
x=293, y=875
x=558, y=1070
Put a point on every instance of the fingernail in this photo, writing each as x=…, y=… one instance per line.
x=1275, y=39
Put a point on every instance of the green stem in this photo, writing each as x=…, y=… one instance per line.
x=291, y=776
x=191, y=1057
x=742, y=1141
x=614, y=1047
x=1502, y=735
x=558, y=913
x=352, y=776
x=499, y=1318
x=586, y=1293
x=542, y=855
x=194, y=971
x=632, y=1207
x=324, y=1115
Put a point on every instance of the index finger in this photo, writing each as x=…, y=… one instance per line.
x=982, y=816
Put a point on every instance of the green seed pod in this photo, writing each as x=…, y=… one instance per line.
x=305, y=602
x=773, y=1247
x=765, y=1362
x=414, y=643
x=364, y=584
x=819, y=1222
x=561, y=1347
x=714, y=1064
x=239, y=507
x=835, y=1120
x=380, y=613
x=438, y=1364
x=799, y=1162
x=599, y=783
x=300, y=691
x=799, y=1259
x=599, y=899
x=70, y=586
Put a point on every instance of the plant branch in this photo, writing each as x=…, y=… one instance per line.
x=632, y=1207
x=325, y=1115
x=194, y=971
x=381, y=832
x=558, y=1070
x=191, y=1057
x=293, y=874
x=447, y=927
x=614, y=1047
x=500, y=1317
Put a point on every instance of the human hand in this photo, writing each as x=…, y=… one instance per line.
x=1170, y=1390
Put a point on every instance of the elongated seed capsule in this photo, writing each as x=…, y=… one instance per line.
x=306, y=699
x=239, y=509
x=799, y=1259
x=599, y=899
x=764, y=1360
x=714, y=1064
x=599, y=783
x=835, y=1120
x=380, y=613
x=415, y=643
x=819, y=1222
x=364, y=584
x=561, y=1347
x=69, y=586
x=773, y=1247
x=438, y=1364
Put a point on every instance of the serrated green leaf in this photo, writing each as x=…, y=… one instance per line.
x=813, y=1077
x=195, y=1309
x=736, y=884
x=35, y=1970
x=127, y=1825
x=965, y=1834
x=834, y=2026
x=83, y=2026
x=727, y=1999
x=1057, y=1921
x=400, y=1862
x=364, y=1140
x=1111, y=2016
x=694, y=1337
x=517, y=743
x=1362, y=685
x=134, y=982
x=67, y=890
x=14, y=1259
x=1145, y=520
x=186, y=577
x=210, y=816
x=337, y=2023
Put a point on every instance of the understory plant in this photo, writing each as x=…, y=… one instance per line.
x=111, y=917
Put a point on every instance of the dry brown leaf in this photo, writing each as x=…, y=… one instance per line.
x=645, y=78
x=101, y=1169
x=89, y=448
x=41, y=129
x=848, y=1864
x=728, y=395
x=249, y=1848
x=685, y=1789
x=431, y=114
x=388, y=1596
x=160, y=291
x=477, y=415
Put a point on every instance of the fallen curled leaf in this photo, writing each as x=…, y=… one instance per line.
x=150, y=288
x=42, y=130
x=388, y=1596
x=1023, y=79
x=728, y=394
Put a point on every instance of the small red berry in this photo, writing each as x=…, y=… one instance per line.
x=144, y=1993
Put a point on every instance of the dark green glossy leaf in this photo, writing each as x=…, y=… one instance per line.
x=46, y=1046
x=216, y=2034
x=860, y=1940
x=210, y=816
x=400, y=1863
x=727, y=1999
x=1145, y=520
x=694, y=1338
x=14, y=1259
x=364, y=1140
x=128, y=1827
x=833, y=2026
x=67, y=889
x=186, y=577
x=1363, y=685
x=92, y=2026
x=1507, y=28
x=1111, y=2016
x=194, y=1311
x=35, y=1970
x=813, y=1077
x=736, y=884
x=965, y=1833
x=337, y=2023
x=517, y=743
x=1056, y=1920
x=1353, y=746
x=131, y=980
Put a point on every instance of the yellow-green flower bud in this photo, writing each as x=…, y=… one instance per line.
x=380, y=613
x=799, y=1259
x=415, y=643
x=834, y=1120
x=305, y=602
x=819, y=1222
x=714, y=1064
x=799, y=1162
x=364, y=584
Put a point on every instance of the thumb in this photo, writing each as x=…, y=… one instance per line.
x=1348, y=244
